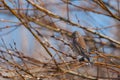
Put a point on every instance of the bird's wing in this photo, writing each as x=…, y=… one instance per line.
x=81, y=49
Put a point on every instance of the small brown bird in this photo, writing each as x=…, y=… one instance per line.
x=79, y=46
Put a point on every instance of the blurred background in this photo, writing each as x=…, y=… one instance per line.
x=36, y=37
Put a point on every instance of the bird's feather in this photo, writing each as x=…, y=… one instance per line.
x=80, y=45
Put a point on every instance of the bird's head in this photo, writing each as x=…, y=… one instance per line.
x=75, y=34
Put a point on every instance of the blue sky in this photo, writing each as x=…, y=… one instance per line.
x=20, y=34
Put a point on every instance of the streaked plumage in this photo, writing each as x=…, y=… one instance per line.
x=79, y=45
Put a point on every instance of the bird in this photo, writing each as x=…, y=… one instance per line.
x=79, y=46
